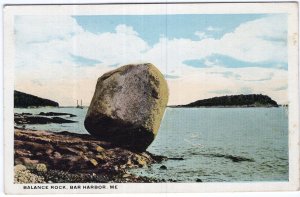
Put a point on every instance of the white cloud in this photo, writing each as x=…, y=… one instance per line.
x=255, y=41
x=43, y=54
x=201, y=34
x=259, y=40
x=124, y=29
x=122, y=46
x=210, y=28
x=44, y=28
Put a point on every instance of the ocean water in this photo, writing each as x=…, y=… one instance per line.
x=209, y=140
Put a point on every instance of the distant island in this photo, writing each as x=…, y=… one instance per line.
x=250, y=100
x=24, y=100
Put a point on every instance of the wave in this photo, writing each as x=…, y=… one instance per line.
x=233, y=158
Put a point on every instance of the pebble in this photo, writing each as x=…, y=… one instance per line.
x=41, y=167
x=163, y=167
x=22, y=175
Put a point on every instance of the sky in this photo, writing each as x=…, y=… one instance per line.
x=201, y=56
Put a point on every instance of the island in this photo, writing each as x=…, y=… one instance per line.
x=250, y=100
x=24, y=100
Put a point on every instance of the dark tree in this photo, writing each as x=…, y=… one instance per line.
x=27, y=100
x=251, y=100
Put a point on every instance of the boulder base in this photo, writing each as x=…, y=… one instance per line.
x=128, y=106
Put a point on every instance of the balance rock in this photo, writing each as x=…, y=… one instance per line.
x=128, y=106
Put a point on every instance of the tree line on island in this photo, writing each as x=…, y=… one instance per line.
x=250, y=100
x=24, y=100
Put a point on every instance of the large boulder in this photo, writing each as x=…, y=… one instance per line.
x=128, y=106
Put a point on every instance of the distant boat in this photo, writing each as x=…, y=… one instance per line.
x=79, y=106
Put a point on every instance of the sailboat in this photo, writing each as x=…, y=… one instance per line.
x=79, y=106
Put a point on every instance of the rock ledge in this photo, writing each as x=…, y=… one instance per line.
x=69, y=157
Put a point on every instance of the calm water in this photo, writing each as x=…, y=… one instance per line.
x=206, y=138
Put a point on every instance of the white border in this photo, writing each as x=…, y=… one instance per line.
x=140, y=9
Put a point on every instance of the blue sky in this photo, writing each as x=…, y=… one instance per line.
x=152, y=27
x=201, y=56
x=229, y=62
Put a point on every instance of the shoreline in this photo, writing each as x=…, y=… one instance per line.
x=236, y=106
x=65, y=157
x=171, y=106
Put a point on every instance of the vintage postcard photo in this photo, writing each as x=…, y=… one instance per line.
x=115, y=98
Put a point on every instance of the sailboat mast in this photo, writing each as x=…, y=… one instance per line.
x=77, y=102
x=81, y=103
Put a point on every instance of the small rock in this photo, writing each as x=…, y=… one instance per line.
x=126, y=175
x=116, y=168
x=129, y=162
x=100, y=156
x=28, y=162
x=163, y=167
x=57, y=155
x=141, y=161
x=19, y=168
x=175, y=158
x=22, y=175
x=89, y=153
x=85, y=158
x=123, y=166
x=93, y=162
x=41, y=167
x=49, y=151
x=23, y=153
x=198, y=180
x=99, y=149
x=69, y=150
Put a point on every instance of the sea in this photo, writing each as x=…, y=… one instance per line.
x=207, y=144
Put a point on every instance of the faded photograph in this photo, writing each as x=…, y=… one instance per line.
x=174, y=97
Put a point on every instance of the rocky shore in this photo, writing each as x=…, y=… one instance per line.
x=48, y=157
x=41, y=118
x=123, y=119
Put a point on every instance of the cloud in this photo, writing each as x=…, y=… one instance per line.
x=210, y=28
x=227, y=61
x=248, y=41
x=265, y=78
x=67, y=60
x=228, y=74
x=246, y=90
x=281, y=88
x=170, y=76
x=223, y=91
x=122, y=46
x=38, y=29
x=201, y=34
x=124, y=29
x=84, y=61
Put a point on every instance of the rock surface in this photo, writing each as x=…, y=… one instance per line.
x=128, y=106
x=58, y=157
x=56, y=114
x=23, y=175
x=25, y=118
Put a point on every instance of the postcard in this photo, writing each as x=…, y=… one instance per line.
x=160, y=97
